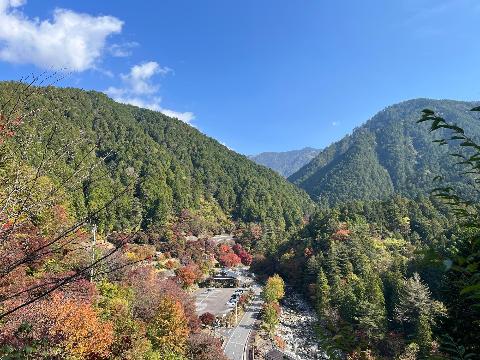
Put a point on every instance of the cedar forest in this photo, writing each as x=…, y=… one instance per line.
x=390, y=264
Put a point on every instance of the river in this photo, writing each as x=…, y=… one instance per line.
x=296, y=328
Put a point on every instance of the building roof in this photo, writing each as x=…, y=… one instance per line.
x=223, y=278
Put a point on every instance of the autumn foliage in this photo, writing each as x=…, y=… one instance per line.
x=188, y=275
x=82, y=275
x=205, y=347
x=68, y=326
x=63, y=296
x=169, y=329
x=207, y=318
x=233, y=256
x=244, y=256
x=83, y=334
x=230, y=260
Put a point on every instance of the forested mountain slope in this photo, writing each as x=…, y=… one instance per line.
x=287, y=162
x=389, y=154
x=174, y=166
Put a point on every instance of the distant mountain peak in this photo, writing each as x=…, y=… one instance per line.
x=285, y=162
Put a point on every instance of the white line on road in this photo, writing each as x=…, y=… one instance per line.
x=205, y=298
x=235, y=329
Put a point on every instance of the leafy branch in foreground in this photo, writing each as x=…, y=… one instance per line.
x=36, y=225
x=463, y=266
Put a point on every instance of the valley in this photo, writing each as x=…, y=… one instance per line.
x=239, y=180
x=165, y=244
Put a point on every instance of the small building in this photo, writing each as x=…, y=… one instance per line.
x=223, y=239
x=222, y=281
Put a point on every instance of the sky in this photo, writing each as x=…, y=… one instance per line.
x=257, y=75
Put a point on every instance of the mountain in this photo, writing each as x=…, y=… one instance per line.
x=389, y=154
x=285, y=163
x=176, y=167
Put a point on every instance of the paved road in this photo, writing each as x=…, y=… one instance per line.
x=238, y=338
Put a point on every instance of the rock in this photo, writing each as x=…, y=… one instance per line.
x=296, y=327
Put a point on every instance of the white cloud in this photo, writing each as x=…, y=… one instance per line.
x=228, y=147
x=70, y=40
x=152, y=104
x=115, y=92
x=122, y=50
x=139, y=78
x=187, y=117
x=138, y=89
x=335, y=123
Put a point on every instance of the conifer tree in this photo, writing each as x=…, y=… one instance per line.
x=322, y=293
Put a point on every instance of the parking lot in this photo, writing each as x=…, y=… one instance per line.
x=213, y=300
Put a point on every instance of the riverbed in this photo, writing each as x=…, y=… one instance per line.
x=296, y=328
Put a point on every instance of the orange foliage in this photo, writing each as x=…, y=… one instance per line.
x=170, y=264
x=280, y=342
x=83, y=334
x=224, y=249
x=140, y=252
x=188, y=274
x=66, y=325
x=8, y=126
x=342, y=233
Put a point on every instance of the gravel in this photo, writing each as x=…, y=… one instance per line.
x=296, y=328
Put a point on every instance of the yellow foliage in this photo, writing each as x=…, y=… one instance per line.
x=274, y=289
x=169, y=330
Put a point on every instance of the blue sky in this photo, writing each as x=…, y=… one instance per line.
x=258, y=75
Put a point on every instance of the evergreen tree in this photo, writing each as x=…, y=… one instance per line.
x=322, y=293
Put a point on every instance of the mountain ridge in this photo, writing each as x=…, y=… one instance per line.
x=394, y=147
x=285, y=162
x=179, y=167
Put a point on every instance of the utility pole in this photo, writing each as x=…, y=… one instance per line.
x=94, y=242
x=236, y=312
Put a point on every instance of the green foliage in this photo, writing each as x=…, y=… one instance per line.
x=411, y=352
x=270, y=317
x=322, y=294
x=462, y=261
x=165, y=355
x=415, y=303
x=357, y=264
x=388, y=154
x=453, y=350
x=169, y=165
x=423, y=336
x=115, y=304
